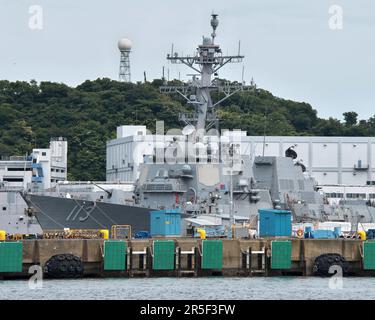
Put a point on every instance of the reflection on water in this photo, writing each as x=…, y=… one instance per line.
x=191, y=288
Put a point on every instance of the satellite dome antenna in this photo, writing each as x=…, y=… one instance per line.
x=188, y=130
x=124, y=46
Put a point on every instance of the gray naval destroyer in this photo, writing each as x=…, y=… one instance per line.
x=200, y=172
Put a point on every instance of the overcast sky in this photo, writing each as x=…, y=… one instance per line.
x=288, y=45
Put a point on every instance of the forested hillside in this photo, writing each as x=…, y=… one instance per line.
x=87, y=115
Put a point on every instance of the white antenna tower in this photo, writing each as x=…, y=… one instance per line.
x=124, y=46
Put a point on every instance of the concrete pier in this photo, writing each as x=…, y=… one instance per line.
x=240, y=257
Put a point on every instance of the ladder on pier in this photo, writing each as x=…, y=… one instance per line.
x=191, y=261
x=143, y=262
x=261, y=267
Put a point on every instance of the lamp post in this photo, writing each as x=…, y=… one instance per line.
x=231, y=211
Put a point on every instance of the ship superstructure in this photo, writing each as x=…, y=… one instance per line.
x=199, y=171
x=42, y=169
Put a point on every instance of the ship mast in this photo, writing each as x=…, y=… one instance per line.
x=207, y=60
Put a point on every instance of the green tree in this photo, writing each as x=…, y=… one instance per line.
x=350, y=118
x=87, y=115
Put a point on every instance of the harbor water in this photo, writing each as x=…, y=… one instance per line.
x=193, y=288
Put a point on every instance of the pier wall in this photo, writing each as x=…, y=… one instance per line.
x=240, y=257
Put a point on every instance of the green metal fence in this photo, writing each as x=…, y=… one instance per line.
x=369, y=255
x=212, y=254
x=11, y=256
x=281, y=254
x=115, y=255
x=164, y=255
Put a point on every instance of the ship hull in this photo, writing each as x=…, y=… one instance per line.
x=59, y=213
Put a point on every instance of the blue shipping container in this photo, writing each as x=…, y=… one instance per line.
x=166, y=223
x=275, y=223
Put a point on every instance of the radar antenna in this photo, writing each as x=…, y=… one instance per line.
x=207, y=60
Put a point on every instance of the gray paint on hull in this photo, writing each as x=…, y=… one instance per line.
x=59, y=213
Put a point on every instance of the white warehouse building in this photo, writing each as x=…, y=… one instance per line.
x=330, y=160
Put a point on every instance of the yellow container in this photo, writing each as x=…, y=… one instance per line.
x=3, y=235
x=362, y=235
x=105, y=234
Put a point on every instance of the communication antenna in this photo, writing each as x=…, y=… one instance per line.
x=214, y=25
x=252, y=83
x=264, y=132
x=124, y=46
x=206, y=62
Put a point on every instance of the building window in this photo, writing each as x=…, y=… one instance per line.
x=44, y=154
x=4, y=208
x=356, y=195
x=13, y=179
x=62, y=171
x=372, y=195
x=370, y=183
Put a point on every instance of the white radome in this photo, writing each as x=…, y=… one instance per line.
x=124, y=44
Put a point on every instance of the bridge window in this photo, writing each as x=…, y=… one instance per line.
x=334, y=195
x=356, y=195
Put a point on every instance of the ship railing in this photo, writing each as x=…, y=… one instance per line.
x=4, y=188
x=73, y=234
x=15, y=158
